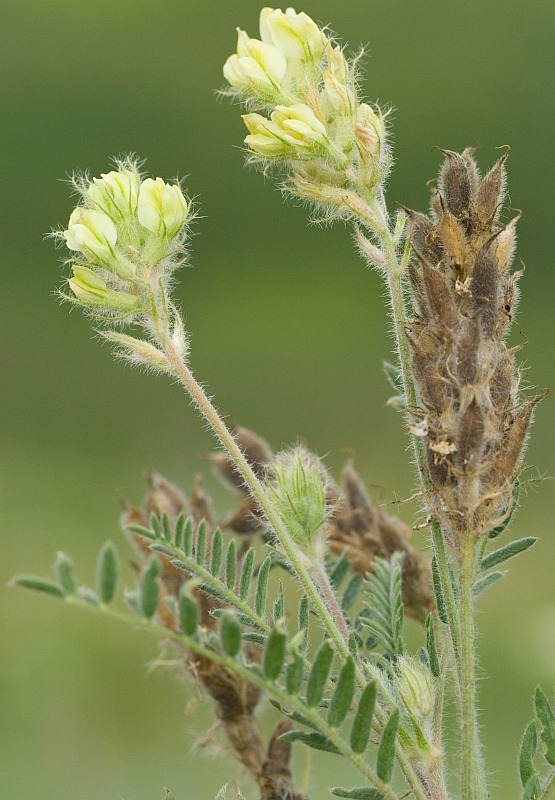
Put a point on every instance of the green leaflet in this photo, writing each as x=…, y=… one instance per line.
x=246, y=574
x=312, y=739
x=107, y=573
x=166, y=527
x=63, y=569
x=231, y=564
x=216, y=553
x=395, y=379
x=484, y=583
x=528, y=747
x=362, y=723
x=294, y=675
x=200, y=543
x=438, y=591
x=274, y=653
x=230, y=634
x=188, y=613
x=169, y=795
x=510, y=550
x=188, y=537
x=156, y=526
x=279, y=604
x=431, y=647
x=38, y=584
x=385, y=604
x=394, y=376
x=150, y=588
x=179, y=530
x=343, y=695
x=363, y=793
x=545, y=715
x=261, y=594
x=386, y=750
x=319, y=674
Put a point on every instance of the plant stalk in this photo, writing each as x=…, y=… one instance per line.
x=472, y=779
x=339, y=636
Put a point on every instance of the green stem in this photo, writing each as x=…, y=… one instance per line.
x=256, y=489
x=472, y=779
x=255, y=678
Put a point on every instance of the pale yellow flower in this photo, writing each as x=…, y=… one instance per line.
x=162, y=208
x=91, y=290
x=115, y=193
x=296, y=35
x=292, y=130
x=92, y=233
x=257, y=67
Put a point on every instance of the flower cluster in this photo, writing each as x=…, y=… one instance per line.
x=297, y=483
x=124, y=237
x=304, y=108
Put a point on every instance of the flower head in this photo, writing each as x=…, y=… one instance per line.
x=298, y=485
x=305, y=106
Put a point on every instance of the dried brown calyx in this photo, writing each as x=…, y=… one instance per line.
x=235, y=698
x=365, y=532
x=356, y=527
x=463, y=298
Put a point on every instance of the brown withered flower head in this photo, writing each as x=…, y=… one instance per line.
x=474, y=421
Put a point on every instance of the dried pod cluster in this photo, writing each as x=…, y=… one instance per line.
x=473, y=421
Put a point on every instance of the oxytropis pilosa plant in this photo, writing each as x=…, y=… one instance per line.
x=330, y=653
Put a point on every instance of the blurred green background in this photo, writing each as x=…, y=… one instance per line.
x=288, y=331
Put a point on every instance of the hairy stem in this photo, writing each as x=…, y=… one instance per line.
x=227, y=440
x=472, y=779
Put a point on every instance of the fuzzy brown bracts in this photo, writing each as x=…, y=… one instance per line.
x=472, y=419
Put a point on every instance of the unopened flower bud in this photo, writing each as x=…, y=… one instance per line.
x=299, y=495
x=91, y=290
x=258, y=68
x=415, y=685
x=115, y=194
x=92, y=233
x=296, y=35
x=162, y=208
x=369, y=130
x=338, y=95
x=337, y=63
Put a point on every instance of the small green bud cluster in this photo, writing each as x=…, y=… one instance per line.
x=297, y=485
x=124, y=237
x=415, y=687
x=312, y=115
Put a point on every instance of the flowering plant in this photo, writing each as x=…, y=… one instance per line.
x=339, y=670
